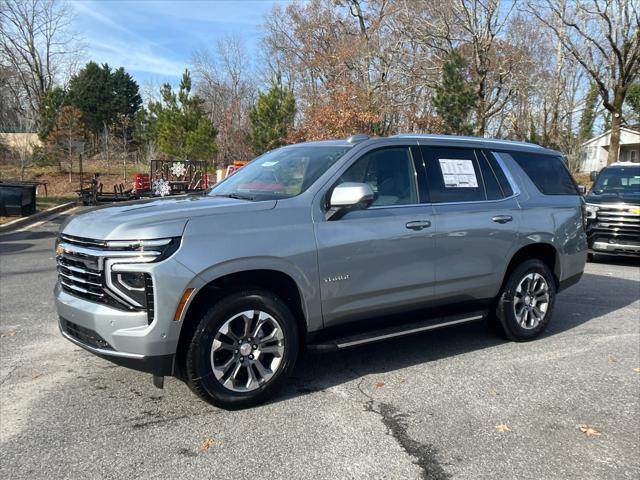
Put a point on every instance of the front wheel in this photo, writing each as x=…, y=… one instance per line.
x=242, y=350
x=526, y=302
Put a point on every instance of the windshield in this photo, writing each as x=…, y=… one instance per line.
x=282, y=173
x=618, y=180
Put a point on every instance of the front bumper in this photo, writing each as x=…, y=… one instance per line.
x=128, y=338
x=160, y=365
x=614, y=248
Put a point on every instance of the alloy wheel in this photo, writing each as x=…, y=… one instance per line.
x=247, y=350
x=531, y=300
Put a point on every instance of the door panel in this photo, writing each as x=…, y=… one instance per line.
x=371, y=263
x=477, y=227
x=379, y=260
x=473, y=249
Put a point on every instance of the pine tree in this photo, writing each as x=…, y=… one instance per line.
x=179, y=125
x=49, y=108
x=585, y=129
x=533, y=133
x=102, y=94
x=454, y=97
x=272, y=117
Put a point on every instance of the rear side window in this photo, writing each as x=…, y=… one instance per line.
x=547, y=172
x=462, y=175
x=453, y=175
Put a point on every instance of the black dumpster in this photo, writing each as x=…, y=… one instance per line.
x=17, y=199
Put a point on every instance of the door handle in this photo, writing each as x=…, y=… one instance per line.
x=418, y=224
x=502, y=218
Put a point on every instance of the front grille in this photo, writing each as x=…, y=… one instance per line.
x=84, y=335
x=617, y=221
x=82, y=274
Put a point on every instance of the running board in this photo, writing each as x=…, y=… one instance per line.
x=396, y=331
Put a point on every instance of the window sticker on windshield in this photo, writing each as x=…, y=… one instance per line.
x=269, y=164
x=458, y=173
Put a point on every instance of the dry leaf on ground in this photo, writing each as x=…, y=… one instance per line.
x=501, y=427
x=378, y=385
x=36, y=375
x=612, y=359
x=10, y=333
x=206, y=444
x=589, y=431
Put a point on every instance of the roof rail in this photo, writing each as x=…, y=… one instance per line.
x=431, y=136
x=360, y=137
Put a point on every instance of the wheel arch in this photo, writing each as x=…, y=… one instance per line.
x=544, y=252
x=275, y=281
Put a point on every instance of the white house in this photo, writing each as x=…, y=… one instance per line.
x=596, y=150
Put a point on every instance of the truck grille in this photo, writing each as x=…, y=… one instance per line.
x=619, y=219
x=617, y=224
x=82, y=274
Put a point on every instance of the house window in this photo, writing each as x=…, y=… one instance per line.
x=632, y=155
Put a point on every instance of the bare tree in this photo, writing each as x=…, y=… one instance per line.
x=602, y=36
x=224, y=81
x=38, y=45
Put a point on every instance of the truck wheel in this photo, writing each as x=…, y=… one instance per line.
x=242, y=350
x=525, y=304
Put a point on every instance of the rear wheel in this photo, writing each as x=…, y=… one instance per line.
x=526, y=302
x=242, y=350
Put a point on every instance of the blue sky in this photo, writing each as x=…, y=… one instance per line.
x=154, y=40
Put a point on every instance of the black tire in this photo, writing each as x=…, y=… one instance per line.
x=198, y=365
x=505, y=315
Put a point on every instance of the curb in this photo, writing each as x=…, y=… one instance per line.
x=36, y=217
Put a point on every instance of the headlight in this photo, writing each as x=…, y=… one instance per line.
x=591, y=211
x=121, y=268
x=134, y=287
x=159, y=249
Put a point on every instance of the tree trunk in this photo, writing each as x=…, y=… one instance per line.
x=481, y=120
x=614, y=144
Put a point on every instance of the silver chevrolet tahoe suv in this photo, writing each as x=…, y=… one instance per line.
x=322, y=245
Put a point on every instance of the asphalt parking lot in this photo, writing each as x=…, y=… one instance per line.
x=454, y=404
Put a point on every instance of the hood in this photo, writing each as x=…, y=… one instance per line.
x=153, y=218
x=632, y=198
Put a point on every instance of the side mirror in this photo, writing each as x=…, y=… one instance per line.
x=347, y=197
x=593, y=175
x=582, y=189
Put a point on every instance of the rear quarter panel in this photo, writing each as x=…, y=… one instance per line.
x=552, y=219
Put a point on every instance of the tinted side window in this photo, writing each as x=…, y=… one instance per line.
x=499, y=173
x=390, y=173
x=453, y=175
x=491, y=186
x=547, y=172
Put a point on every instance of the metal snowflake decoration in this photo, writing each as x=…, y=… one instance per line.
x=178, y=169
x=161, y=187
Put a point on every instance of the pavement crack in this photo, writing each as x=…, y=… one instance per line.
x=8, y=375
x=425, y=455
x=157, y=422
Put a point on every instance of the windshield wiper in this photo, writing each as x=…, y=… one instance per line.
x=238, y=196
